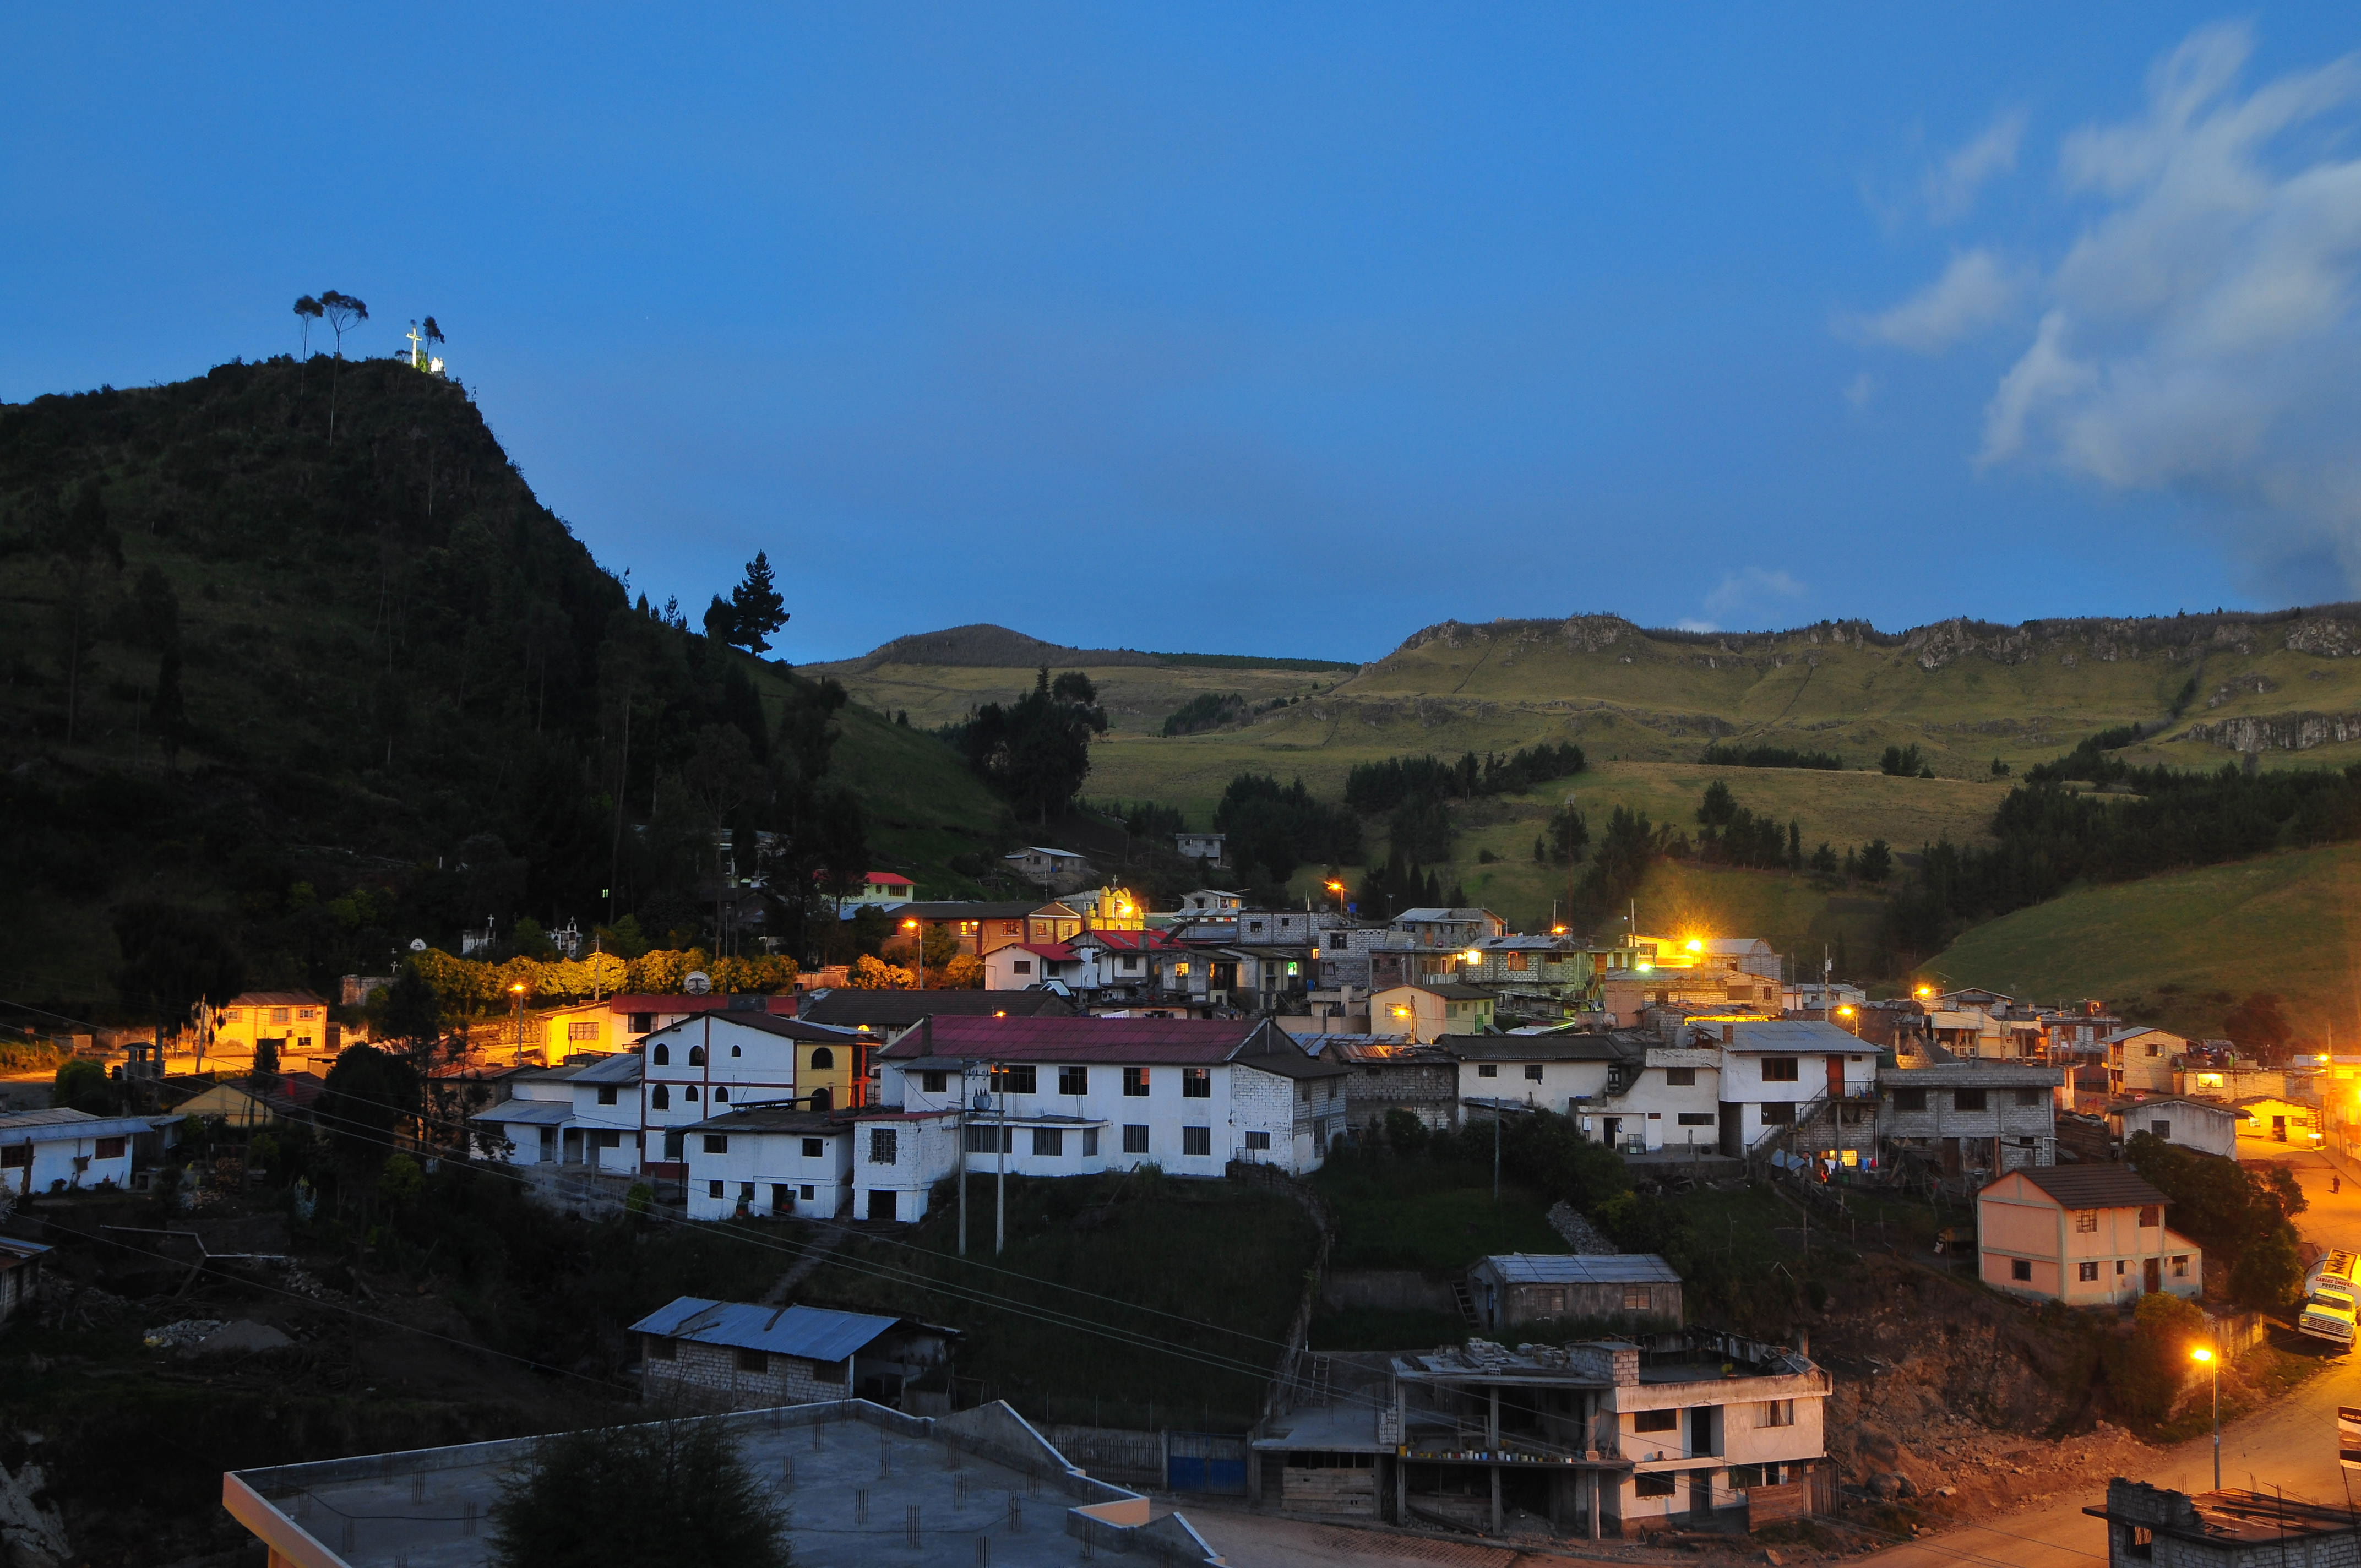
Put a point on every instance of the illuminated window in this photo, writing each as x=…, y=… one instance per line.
x=1135, y=1084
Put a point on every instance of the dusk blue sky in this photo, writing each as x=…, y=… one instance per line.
x=1273, y=329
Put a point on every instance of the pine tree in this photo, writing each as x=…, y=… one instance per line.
x=755, y=608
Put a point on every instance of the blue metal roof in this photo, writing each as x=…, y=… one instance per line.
x=528, y=1113
x=815, y=1333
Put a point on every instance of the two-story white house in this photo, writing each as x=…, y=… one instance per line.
x=1775, y=1071
x=586, y=1113
x=769, y=1161
x=1078, y=1096
x=723, y=1061
x=1548, y=1072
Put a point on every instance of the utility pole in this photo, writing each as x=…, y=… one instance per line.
x=1496, y=1151
x=966, y=1098
x=1000, y=1185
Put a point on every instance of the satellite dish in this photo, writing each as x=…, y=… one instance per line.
x=417, y=944
x=696, y=983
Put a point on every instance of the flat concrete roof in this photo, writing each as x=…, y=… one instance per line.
x=980, y=1472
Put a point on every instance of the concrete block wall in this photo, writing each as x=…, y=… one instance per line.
x=710, y=1376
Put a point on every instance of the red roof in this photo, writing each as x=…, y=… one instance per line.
x=1057, y=950
x=889, y=879
x=1141, y=941
x=682, y=1001
x=1149, y=1041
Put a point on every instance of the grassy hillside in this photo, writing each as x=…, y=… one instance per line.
x=402, y=689
x=2176, y=949
x=1138, y=693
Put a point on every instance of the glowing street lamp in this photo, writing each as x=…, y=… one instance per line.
x=2204, y=1356
x=1921, y=991
x=1852, y=1018
x=517, y=990
x=918, y=939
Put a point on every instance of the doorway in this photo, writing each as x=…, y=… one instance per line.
x=2152, y=1274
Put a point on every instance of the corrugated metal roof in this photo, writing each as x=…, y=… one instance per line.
x=899, y=1009
x=528, y=1113
x=1788, y=1034
x=1147, y=1041
x=1539, y=1047
x=1610, y=1268
x=815, y=1334
x=765, y=1023
x=52, y=1126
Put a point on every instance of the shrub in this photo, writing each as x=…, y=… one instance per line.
x=676, y=1492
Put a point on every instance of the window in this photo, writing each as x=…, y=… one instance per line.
x=1680, y=1078
x=1135, y=1081
x=17, y=1157
x=662, y=1349
x=109, y=1149
x=2180, y=1267
x=663, y=1054
x=822, y=1058
x=1090, y=1143
x=714, y=1188
x=1779, y=1070
x=2151, y=1047
x=1651, y=1486
x=672, y=1143
x=2028, y=1097
x=721, y=1095
x=934, y=1082
x=717, y=1143
x=1020, y=966
x=991, y=1140
x=1697, y=1118
x=1910, y=1099
x=1533, y=1073
x=1258, y=1141
x=1967, y=1100
x=306, y=1013
x=805, y=1191
x=1197, y=1141
x=2086, y=1222
x=696, y=1056
x=1049, y=1141
x=882, y=1150
x=1638, y=1299
x=605, y=1094
x=753, y=1361
x=607, y=1137
x=1778, y=1114
x=582, y=1029
x=1778, y=1412
x=2020, y=1269
x=1010, y=928
x=814, y=1148
x=689, y=1093
x=2150, y=1214
x=279, y=1014
x=1016, y=1079
x=1134, y=1140
x=642, y=1022
x=1073, y=1080
x=2119, y=1268
x=1196, y=1083
x=1656, y=1420
x=1488, y=1070
x=2161, y=1129
x=660, y=1098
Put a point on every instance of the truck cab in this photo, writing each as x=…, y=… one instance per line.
x=2330, y=1298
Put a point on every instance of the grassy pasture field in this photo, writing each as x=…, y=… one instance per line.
x=2175, y=949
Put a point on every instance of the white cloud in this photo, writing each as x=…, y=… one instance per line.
x=1753, y=592
x=2203, y=332
x=1977, y=291
x=1860, y=390
x=1950, y=186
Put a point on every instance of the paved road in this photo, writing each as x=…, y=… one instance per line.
x=2291, y=1444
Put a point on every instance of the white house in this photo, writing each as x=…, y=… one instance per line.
x=1550, y=1072
x=2206, y=1125
x=1077, y=1096
x=770, y=1161
x=722, y=1062
x=1138, y=964
x=1211, y=848
x=1668, y=1097
x=1774, y=1071
x=1449, y=928
x=586, y=1113
x=1038, y=862
x=60, y=1151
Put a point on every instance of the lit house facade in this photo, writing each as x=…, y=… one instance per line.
x=1078, y=1096
x=2086, y=1235
x=723, y=1061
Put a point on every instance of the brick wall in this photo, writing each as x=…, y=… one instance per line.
x=1262, y=1103
x=709, y=1375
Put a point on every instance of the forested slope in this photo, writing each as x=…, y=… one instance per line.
x=338, y=692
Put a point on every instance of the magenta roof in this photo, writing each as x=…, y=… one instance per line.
x=1149, y=1041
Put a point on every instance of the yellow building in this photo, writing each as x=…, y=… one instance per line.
x=1427, y=1012
x=243, y=1103
x=294, y=1021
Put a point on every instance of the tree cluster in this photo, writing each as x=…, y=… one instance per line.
x=1206, y=711
x=1375, y=787
x=2241, y=1216
x=2049, y=836
x=1732, y=835
x=1903, y=762
x=1036, y=751
x=1277, y=827
x=1721, y=756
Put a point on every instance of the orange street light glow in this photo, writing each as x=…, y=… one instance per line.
x=1845, y=1011
x=1695, y=946
x=2201, y=1355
